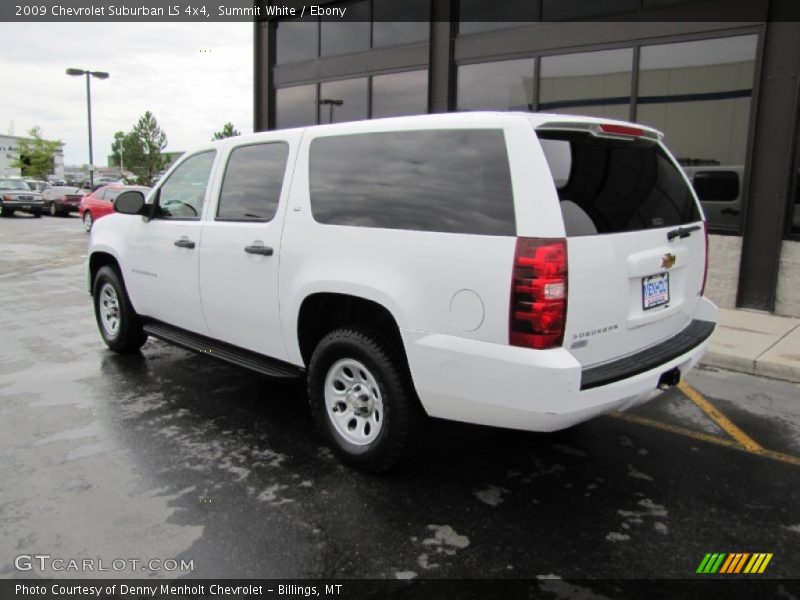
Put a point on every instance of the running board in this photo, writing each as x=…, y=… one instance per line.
x=259, y=363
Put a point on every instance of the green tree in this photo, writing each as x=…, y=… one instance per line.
x=35, y=155
x=117, y=149
x=228, y=130
x=141, y=149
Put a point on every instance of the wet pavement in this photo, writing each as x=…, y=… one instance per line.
x=173, y=455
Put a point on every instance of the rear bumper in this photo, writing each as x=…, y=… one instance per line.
x=504, y=386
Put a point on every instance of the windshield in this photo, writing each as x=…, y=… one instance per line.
x=14, y=184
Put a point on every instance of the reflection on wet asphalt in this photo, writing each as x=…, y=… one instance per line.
x=173, y=455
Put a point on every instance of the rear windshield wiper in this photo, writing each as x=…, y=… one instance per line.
x=682, y=232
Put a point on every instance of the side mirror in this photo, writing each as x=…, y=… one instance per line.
x=130, y=203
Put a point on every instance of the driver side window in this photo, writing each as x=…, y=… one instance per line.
x=183, y=194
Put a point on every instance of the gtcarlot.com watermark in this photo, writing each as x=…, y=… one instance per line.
x=46, y=563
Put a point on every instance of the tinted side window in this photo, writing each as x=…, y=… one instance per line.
x=252, y=185
x=183, y=194
x=454, y=181
x=720, y=186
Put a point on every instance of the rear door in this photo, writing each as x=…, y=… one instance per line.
x=240, y=248
x=635, y=239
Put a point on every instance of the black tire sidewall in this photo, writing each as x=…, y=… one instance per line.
x=130, y=336
x=371, y=351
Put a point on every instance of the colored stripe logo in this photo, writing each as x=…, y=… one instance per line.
x=734, y=562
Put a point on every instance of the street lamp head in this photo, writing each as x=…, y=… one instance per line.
x=98, y=74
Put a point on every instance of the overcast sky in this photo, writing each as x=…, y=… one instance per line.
x=194, y=77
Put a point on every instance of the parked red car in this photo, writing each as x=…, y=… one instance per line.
x=101, y=202
x=62, y=199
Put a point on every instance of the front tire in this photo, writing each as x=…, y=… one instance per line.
x=88, y=221
x=118, y=323
x=363, y=400
x=54, y=210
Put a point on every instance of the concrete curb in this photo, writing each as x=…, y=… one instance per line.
x=757, y=344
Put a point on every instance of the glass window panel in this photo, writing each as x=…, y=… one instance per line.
x=504, y=85
x=703, y=86
x=296, y=40
x=589, y=83
x=455, y=181
x=476, y=16
x=396, y=23
x=400, y=94
x=341, y=101
x=182, y=195
x=343, y=37
x=296, y=106
x=252, y=184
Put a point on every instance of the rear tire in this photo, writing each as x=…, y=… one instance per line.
x=54, y=210
x=119, y=325
x=363, y=400
x=88, y=221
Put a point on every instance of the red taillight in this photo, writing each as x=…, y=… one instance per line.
x=705, y=267
x=538, y=293
x=621, y=130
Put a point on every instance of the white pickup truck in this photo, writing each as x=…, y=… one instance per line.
x=517, y=270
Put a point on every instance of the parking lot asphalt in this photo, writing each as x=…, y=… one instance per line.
x=173, y=455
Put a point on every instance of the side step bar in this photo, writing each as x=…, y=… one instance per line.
x=227, y=352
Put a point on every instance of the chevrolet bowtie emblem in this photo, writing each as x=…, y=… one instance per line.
x=667, y=261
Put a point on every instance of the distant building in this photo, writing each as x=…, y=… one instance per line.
x=8, y=154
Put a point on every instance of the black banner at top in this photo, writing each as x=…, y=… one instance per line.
x=511, y=11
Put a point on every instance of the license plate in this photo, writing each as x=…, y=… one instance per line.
x=26, y=207
x=655, y=290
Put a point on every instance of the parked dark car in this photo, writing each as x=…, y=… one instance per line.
x=16, y=195
x=63, y=199
x=101, y=202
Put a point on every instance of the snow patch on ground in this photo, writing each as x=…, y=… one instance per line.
x=493, y=495
x=614, y=536
x=632, y=472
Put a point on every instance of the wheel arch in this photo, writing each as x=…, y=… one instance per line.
x=322, y=312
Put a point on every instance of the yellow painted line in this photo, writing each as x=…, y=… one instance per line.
x=755, y=562
x=705, y=437
x=724, y=422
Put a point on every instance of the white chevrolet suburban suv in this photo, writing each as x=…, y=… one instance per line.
x=517, y=270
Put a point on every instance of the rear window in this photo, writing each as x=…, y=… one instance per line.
x=612, y=186
x=453, y=181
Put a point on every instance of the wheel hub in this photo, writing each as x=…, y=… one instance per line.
x=353, y=401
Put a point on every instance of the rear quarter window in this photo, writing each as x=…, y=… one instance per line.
x=716, y=186
x=452, y=181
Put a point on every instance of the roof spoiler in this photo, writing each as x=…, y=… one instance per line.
x=615, y=131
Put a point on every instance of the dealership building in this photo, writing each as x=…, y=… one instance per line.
x=726, y=95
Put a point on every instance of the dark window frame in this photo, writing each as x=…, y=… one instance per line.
x=217, y=218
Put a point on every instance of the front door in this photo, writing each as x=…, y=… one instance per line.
x=163, y=255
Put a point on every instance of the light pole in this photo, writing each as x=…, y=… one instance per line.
x=331, y=102
x=89, y=75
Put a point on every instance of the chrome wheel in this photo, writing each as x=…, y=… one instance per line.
x=53, y=211
x=87, y=221
x=108, y=305
x=353, y=402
